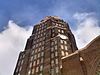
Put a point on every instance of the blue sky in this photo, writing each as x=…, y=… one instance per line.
x=29, y=12
x=17, y=18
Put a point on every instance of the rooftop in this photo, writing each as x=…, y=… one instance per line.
x=50, y=17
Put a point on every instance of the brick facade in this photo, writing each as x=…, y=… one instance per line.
x=52, y=50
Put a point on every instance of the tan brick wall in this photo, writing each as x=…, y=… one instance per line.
x=72, y=66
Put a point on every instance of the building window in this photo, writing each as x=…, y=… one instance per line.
x=37, y=61
x=58, y=30
x=66, y=48
x=40, y=44
x=57, y=24
x=23, y=55
x=55, y=41
x=52, y=30
x=19, y=63
x=66, y=53
x=56, y=53
x=62, y=47
x=36, y=45
x=17, y=69
x=57, y=69
x=61, y=41
x=43, y=43
x=52, y=72
x=52, y=63
x=31, y=58
x=41, y=60
x=43, y=38
x=41, y=34
x=55, y=47
x=18, y=73
x=52, y=49
x=29, y=72
x=34, y=63
x=42, y=53
x=33, y=46
x=38, y=55
x=35, y=56
x=32, y=52
x=33, y=71
x=60, y=66
x=53, y=35
x=38, y=36
x=62, y=31
x=42, y=48
x=39, y=49
x=40, y=74
x=22, y=62
x=30, y=64
x=52, y=55
x=52, y=43
x=65, y=42
x=41, y=67
x=56, y=60
x=53, y=23
x=37, y=69
x=44, y=33
x=20, y=68
x=62, y=52
x=35, y=50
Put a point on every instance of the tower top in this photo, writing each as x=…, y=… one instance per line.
x=50, y=17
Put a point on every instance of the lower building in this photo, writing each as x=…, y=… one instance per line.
x=85, y=61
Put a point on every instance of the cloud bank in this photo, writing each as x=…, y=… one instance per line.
x=12, y=41
x=87, y=28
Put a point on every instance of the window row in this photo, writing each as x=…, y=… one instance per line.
x=36, y=62
x=63, y=53
x=42, y=26
x=18, y=69
x=54, y=42
x=60, y=31
x=54, y=54
x=39, y=36
x=38, y=44
x=54, y=62
x=63, y=41
x=57, y=24
x=35, y=70
x=64, y=47
x=53, y=48
x=40, y=54
x=38, y=40
x=20, y=62
x=55, y=70
x=37, y=50
x=40, y=31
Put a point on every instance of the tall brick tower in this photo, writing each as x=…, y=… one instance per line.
x=51, y=40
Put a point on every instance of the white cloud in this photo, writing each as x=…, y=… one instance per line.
x=87, y=28
x=12, y=41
